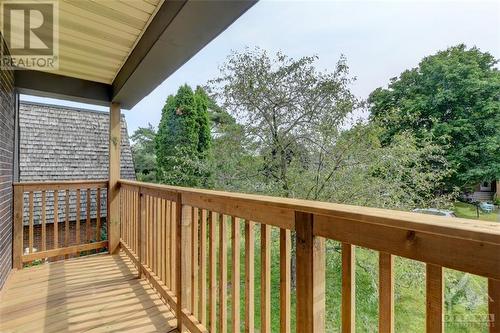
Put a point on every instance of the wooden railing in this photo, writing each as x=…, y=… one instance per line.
x=179, y=239
x=55, y=219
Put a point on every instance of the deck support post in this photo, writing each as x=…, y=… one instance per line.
x=113, y=219
x=310, y=276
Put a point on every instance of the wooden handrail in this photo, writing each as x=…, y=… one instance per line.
x=176, y=225
x=282, y=209
x=61, y=185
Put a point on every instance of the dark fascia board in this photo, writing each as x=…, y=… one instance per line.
x=51, y=85
x=177, y=32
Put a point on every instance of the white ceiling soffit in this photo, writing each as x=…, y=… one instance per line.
x=97, y=36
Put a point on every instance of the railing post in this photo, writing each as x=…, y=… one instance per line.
x=17, y=246
x=310, y=276
x=114, y=177
x=141, y=211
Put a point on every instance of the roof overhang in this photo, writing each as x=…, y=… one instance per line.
x=175, y=31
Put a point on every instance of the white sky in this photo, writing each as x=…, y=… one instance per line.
x=379, y=38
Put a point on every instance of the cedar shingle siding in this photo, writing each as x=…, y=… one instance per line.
x=7, y=130
x=62, y=143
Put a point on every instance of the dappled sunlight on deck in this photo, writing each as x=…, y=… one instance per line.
x=99, y=293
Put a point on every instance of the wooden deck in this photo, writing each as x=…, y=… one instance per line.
x=99, y=293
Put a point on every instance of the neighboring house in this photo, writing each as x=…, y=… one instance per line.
x=62, y=143
x=486, y=191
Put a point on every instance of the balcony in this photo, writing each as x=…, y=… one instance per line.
x=173, y=266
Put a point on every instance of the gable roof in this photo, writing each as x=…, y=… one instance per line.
x=63, y=143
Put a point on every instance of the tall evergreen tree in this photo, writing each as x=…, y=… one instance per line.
x=183, y=139
x=143, y=153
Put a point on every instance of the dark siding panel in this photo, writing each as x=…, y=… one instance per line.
x=7, y=128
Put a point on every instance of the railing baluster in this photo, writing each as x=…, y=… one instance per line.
x=348, y=288
x=130, y=212
x=88, y=228
x=285, y=280
x=137, y=214
x=160, y=239
x=132, y=220
x=163, y=238
x=78, y=214
x=386, y=293
x=434, y=299
x=194, y=262
x=203, y=269
x=150, y=232
x=123, y=215
x=56, y=219
x=156, y=233
x=30, y=235
x=98, y=215
x=249, y=276
x=235, y=276
x=185, y=264
x=66, y=220
x=223, y=273
x=173, y=247
x=494, y=305
x=213, y=272
x=265, y=284
x=44, y=221
x=182, y=214
x=141, y=211
x=168, y=237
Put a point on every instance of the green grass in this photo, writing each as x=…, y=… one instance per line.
x=468, y=211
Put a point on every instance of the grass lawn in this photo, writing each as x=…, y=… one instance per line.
x=468, y=211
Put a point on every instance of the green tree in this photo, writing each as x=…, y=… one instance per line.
x=297, y=138
x=280, y=101
x=183, y=139
x=451, y=99
x=143, y=153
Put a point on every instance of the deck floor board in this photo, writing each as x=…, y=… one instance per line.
x=99, y=293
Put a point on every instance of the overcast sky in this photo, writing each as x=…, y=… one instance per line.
x=379, y=38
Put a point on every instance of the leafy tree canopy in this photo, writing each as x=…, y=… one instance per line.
x=183, y=139
x=291, y=138
x=452, y=99
x=143, y=153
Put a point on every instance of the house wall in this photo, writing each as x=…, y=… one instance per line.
x=7, y=133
